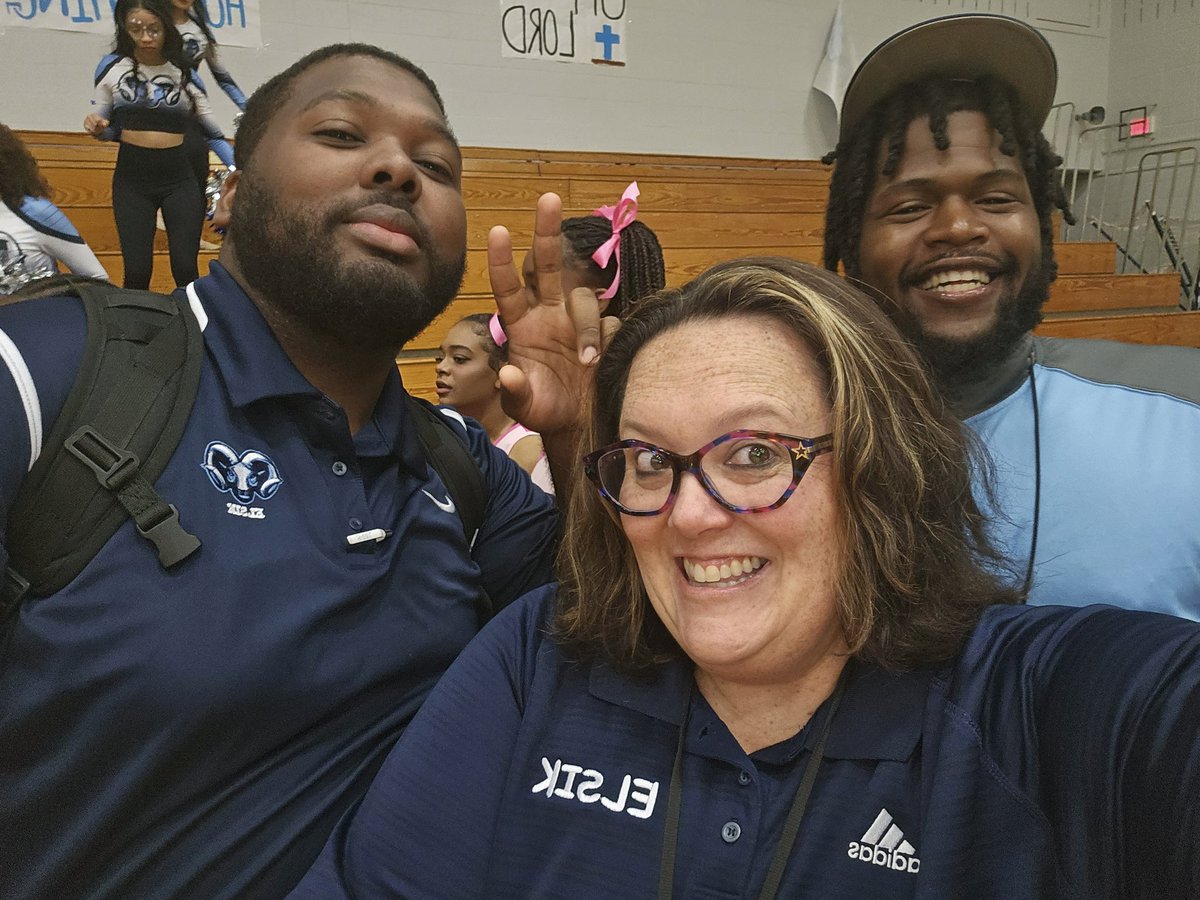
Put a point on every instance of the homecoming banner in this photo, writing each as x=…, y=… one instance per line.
x=235, y=23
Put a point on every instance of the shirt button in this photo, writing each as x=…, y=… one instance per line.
x=356, y=524
x=339, y=468
x=730, y=832
x=743, y=777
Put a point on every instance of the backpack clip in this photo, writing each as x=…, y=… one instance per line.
x=169, y=538
x=118, y=471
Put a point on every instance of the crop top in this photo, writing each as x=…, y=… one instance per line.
x=153, y=98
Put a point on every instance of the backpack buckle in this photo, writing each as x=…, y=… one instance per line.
x=113, y=467
x=169, y=538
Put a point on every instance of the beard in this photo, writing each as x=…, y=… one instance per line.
x=287, y=255
x=958, y=361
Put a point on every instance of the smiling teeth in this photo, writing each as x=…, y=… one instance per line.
x=726, y=572
x=956, y=280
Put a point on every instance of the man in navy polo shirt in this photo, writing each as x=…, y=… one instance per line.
x=198, y=731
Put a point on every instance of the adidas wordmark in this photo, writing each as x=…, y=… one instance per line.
x=884, y=845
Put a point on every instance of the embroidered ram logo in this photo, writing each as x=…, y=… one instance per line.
x=250, y=475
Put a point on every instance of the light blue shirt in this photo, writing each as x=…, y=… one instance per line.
x=1119, y=515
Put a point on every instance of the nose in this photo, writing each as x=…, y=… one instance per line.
x=442, y=367
x=390, y=166
x=694, y=509
x=956, y=221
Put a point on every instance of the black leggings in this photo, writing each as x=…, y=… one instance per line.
x=144, y=182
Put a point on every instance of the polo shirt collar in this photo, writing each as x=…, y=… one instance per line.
x=662, y=695
x=880, y=716
x=253, y=366
x=241, y=344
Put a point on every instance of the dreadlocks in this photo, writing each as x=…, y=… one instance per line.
x=642, y=269
x=887, y=123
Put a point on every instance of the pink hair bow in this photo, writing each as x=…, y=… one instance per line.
x=621, y=216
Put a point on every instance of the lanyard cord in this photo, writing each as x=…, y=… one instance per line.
x=791, y=827
x=1037, y=482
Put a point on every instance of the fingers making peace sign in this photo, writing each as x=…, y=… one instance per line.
x=553, y=341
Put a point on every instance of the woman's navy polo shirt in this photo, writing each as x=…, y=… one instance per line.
x=1057, y=757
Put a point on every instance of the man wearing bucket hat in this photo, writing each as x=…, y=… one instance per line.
x=941, y=201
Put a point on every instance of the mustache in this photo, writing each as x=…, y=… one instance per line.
x=1004, y=264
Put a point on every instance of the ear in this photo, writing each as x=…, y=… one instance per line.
x=223, y=213
x=601, y=302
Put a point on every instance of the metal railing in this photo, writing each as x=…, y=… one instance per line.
x=1140, y=199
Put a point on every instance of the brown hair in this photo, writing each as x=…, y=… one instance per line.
x=918, y=569
x=19, y=174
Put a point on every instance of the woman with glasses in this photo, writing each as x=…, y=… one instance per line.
x=145, y=98
x=779, y=663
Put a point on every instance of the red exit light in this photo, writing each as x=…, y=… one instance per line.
x=1135, y=122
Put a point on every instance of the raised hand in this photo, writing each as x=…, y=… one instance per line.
x=553, y=342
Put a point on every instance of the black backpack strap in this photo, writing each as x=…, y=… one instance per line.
x=120, y=425
x=450, y=457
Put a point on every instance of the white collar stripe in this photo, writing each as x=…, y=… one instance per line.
x=197, y=306
x=27, y=390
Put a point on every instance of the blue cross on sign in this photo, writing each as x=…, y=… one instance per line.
x=608, y=38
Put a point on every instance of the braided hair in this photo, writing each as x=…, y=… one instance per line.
x=642, y=269
x=886, y=125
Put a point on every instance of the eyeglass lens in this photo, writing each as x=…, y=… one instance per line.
x=748, y=473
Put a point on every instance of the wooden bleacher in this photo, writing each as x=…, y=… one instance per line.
x=704, y=210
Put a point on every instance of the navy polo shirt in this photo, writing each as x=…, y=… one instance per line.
x=1057, y=757
x=198, y=731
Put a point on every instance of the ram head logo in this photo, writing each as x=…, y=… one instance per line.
x=250, y=475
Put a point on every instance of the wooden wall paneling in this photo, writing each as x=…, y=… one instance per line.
x=1080, y=293
x=1174, y=327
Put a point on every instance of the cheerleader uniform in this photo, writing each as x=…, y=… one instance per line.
x=33, y=237
x=155, y=98
x=195, y=48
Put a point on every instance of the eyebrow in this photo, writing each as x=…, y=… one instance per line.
x=343, y=95
x=995, y=175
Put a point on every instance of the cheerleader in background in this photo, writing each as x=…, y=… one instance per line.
x=146, y=98
x=34, y=233
x=199, y=45
x=467, y=367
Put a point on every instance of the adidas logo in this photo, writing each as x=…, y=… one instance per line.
x=884, y=845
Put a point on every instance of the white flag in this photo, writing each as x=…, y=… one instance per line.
x=839, y=63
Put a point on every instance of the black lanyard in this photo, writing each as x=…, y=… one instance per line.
x=791, y=827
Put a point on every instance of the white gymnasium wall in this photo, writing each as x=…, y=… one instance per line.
x=1155, y=62
x=719, y=77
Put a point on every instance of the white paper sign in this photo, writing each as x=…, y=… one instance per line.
x=578, y=31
